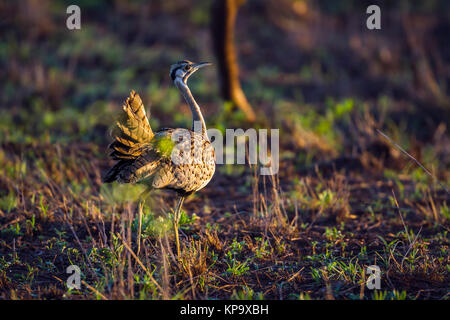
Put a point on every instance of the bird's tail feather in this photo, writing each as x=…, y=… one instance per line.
x=132, y=130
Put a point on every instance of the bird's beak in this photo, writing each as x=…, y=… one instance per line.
x=201, y=65
x=194, y=68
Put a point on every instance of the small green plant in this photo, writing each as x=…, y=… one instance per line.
x=303, y=296
x=31, y=224
x=237, y=247
x=246, y=293
x=393, y=295
x=333, y=234
x=236, y=267
x=186, y=220
x=8, y=202
x=316, y=275
x=325, y=198
x=15, y=229
x=261, y=249
x=43, y=207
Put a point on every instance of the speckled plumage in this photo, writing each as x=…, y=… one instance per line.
x=177, y=159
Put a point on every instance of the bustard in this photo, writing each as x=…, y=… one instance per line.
x=179, y=159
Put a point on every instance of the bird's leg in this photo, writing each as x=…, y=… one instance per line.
x=140, y=209
x=176, y=219
x=140, y=212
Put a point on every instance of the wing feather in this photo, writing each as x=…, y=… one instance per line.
x=132, y=129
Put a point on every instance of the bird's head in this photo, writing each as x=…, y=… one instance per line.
x=182, y=70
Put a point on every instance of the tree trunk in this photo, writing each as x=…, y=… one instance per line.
x=224, y=14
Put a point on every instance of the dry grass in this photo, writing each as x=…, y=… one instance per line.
x=287, y=239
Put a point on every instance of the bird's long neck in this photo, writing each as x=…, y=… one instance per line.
x=197, y=116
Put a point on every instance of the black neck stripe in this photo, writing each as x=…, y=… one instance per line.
x=174, y=72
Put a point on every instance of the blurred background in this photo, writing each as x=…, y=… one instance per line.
x=311, y=68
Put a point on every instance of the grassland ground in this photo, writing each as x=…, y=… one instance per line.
x=243, y=237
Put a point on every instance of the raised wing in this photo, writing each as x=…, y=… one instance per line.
x=132, y=130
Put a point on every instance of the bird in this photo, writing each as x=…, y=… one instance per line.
x=177, y=159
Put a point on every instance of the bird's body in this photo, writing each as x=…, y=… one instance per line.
x=178, y=159
x=159, y=165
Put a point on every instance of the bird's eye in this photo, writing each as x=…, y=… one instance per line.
x=187, y=67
